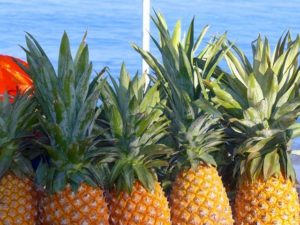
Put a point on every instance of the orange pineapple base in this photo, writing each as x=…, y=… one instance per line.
x=199, y=197
x=18, y=201
x=274, y=201
x=85, y=207
x=140, y=207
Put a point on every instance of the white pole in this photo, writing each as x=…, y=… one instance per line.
x=146, y=35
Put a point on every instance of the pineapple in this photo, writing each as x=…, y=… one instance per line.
x=68, y=109
x=198, y=195
x=18, y=195
x=261, y=104
x=136, y=123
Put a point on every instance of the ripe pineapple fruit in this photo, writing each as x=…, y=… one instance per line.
x=18, y=196
x=198, y=195
x=261, y=104
x=67, y=103
x=136, y=124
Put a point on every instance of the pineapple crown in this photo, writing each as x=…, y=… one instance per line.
x=261, y=103
x=68, y=109
x=17, y=118
x=136, y=123
x=181, y=74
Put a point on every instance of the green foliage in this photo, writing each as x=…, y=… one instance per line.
x=261, y=102
x=17, y=119
x=67, y=112
x=181, y=74
x=134, y=123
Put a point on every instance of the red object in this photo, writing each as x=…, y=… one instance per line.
x=12, y=77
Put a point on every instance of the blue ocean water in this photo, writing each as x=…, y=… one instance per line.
x=113, y=25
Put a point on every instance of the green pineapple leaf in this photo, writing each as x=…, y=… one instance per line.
x=67, y=102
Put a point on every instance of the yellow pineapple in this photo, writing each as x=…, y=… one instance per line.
x=136, y=124
x=198, y=195
x=274, y=200
x=18, y=196
x=66, y=207
x=18, y=200
x=67, y=108
x=201, y=194
x=261, y=104
x=140, y=206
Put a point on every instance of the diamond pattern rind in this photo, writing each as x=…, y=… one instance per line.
x=199, y=197
x=18, y=201
x=274, y=201
x=140, y=207
x=85, y=207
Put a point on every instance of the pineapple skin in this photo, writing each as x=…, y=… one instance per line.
x=85, y=207
x=199, y=197
x=18, y=201
x=141, y=207
x=274, y=201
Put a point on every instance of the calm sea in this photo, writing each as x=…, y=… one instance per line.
x=113, y=24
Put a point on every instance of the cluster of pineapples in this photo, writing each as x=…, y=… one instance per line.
x=124, y=152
